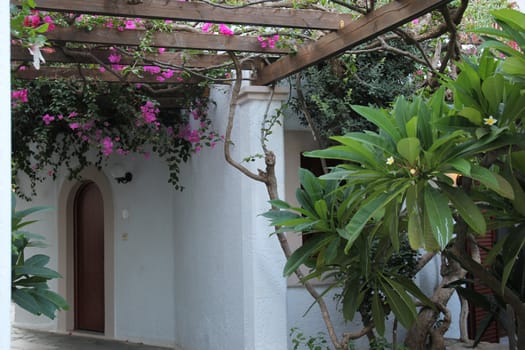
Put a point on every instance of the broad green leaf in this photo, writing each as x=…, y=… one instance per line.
x=38, y=260
x=439, y=216
x=493, y=181
x=26, y=301
x=416, y=236
x=54, y=298
x=466, y=207
x=352, y=298
x=278, y=203
x=304, y=252
x=461, y=165
x=472, y=114
x=511, y=248
x=36, y=271
x=409, y=148
x=321, y=209
x=378, y=313
x=518, y=160
x=381, y=119
x=281, y=217
x=311, y=184
x=493, y=90
x=400, y=303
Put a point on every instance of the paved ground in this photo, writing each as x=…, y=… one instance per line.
x=22, y=339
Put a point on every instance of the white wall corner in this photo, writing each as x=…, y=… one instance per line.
x=265, y=319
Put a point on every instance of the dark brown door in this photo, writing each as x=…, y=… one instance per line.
x=89, y=259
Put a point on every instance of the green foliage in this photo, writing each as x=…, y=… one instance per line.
x=29, y=277
x=330, y=88
x=301, y=341
x=373, y=274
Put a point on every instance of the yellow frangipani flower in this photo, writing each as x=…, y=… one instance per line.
x=390, y=161
x=489, y=121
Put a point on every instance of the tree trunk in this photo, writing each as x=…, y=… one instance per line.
x=418, y=335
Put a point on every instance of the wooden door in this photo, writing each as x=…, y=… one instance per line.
x=89, y=259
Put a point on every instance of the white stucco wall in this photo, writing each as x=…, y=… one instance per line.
x=5, y=180
x=143, y=261
x=229, y=287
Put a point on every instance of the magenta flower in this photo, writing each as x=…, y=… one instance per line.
x=114, y=58
x=225, y=30
x=206, y=27
x=161, y=50
x=107, y=146
x=72, y=114
x=47, y=119
x=152, y=69
x=50, y=23
x=167, y=74
x=130, y=24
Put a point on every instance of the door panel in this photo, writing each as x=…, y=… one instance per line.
x=89, y=259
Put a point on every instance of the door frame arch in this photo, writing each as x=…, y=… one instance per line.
x=65, y=212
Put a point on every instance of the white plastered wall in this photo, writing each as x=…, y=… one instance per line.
x=140, y=305
x=230, y=292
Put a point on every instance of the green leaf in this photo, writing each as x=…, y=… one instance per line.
x=281, y=217
x=400, y=303
x=381, y=119
x=510, y=251
x=36, y=271
x=321, y=209
x=493, y=181
x=26, y=301
x=352, y=297
x=39, y=260
x=466, y=207
x=439, y=216
x=472, y=114
x=461, y=165
x=311, y=184
x=303, y=253
x=378, y=313
x=409, y=148
x=277, y=203
x=416, y=236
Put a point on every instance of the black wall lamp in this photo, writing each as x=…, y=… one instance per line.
x=120, y=175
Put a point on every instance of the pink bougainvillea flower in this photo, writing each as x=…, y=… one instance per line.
x=159, y=78
x=101, y=69
x=152, y=69
x=167, y=73
x=72, y=115
x=225, y=30
x=74, y=126
x=149, y=112
x=114, y=58
x=19, y=95
x=32, y=21
x=161, y=50
x=47, y=119
x=107, y=146
x=130, y=25
x=415, y=21
x=206, y=27
x=50, y=23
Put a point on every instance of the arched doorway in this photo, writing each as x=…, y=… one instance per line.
x=69, y=192
x=89, y=258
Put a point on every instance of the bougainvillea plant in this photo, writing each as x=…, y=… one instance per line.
x=65, y=125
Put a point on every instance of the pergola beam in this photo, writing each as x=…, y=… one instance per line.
x=176, y=40
x=57, y=55
x=381, y=20
x=90, y=73
x=200, y=12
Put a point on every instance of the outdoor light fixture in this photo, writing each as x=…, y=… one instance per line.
x=118, y=173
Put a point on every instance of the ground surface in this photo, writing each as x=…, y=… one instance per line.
x=22, y=339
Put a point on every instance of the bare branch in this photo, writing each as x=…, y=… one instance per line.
x=231, y=116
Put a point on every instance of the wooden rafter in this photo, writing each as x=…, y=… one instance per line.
x=76, y=73
x=201, y=12
x=182, y=59
x=367, y=27
x=177, y=40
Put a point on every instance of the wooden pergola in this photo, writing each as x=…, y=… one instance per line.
x=341, y=32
